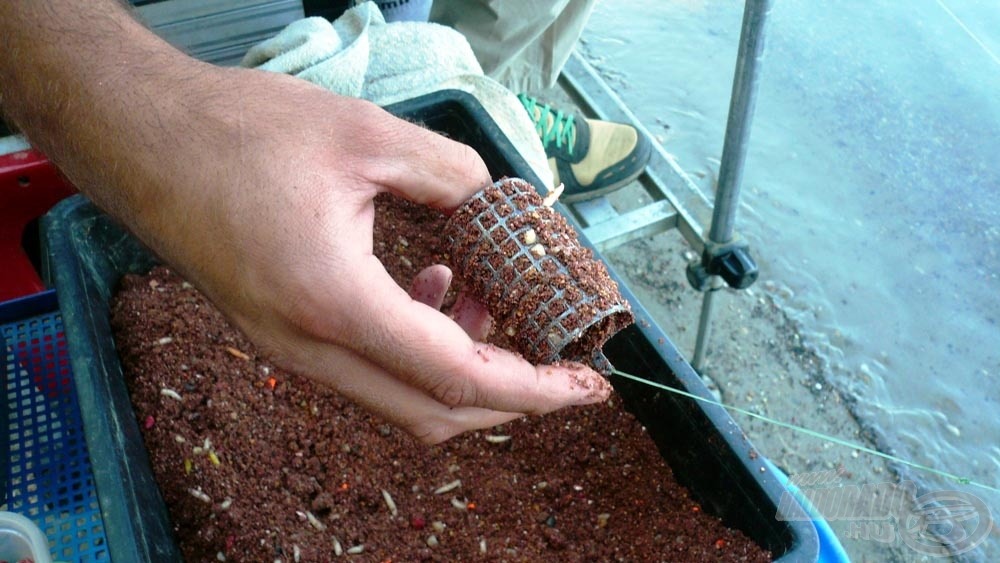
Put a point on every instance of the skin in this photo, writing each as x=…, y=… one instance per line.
x=258, y=188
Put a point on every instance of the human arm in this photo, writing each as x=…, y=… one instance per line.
x=258, y=188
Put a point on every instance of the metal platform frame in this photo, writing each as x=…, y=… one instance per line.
x=677, y=202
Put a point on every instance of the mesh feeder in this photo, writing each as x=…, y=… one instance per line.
x=546, y=292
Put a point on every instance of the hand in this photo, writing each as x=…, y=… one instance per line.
x=283, y=214
x=297, y=217
x=258, y=188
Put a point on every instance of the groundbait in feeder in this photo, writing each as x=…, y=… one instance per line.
x=545, y=290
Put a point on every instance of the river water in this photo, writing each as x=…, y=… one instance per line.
x=871, y=193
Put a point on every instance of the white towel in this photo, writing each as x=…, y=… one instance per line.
x=360, y=55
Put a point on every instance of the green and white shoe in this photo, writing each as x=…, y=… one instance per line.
x=588, y=156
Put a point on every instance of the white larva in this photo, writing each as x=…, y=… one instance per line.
x=449, y=487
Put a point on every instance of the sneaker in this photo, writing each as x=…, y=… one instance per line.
x=588, y=156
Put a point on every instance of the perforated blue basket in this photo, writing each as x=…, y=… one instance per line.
x=49, y=477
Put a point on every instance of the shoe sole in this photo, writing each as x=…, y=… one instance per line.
x=576, y=198
x=594, y=194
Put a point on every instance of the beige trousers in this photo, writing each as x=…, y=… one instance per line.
x=523, y=44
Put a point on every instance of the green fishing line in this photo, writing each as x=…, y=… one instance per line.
x=808, y=432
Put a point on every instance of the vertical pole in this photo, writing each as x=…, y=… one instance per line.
x=741, y=108
x=704, y=327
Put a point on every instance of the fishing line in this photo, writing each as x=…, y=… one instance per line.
x=968, y=31
x=808, y=432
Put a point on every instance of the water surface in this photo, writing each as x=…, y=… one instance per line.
x=872, y=191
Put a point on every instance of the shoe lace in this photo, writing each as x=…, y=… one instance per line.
x=551, y=124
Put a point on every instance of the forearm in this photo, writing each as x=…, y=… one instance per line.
x=112, y=105
x=71, y=73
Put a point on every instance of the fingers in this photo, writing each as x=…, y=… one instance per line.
x=431, y=352
x=399, y=404
x=431, y=284
x=472, y=316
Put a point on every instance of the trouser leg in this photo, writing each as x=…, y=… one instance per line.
x=523, y=44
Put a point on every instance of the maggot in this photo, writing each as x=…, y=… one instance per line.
x=237, y=353
x=389, y=502
x=200, y=495
x=314, y=522
x=447, y=488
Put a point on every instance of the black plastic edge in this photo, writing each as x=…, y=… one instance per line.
x=737, y=487
x=136, y=521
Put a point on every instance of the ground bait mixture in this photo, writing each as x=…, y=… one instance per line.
x=256, y=464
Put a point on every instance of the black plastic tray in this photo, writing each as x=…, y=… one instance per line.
x=87, y=253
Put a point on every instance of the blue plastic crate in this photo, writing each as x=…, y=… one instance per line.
x=49, y=477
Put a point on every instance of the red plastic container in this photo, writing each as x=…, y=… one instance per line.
x=29, y=187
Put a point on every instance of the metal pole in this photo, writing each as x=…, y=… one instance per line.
x=704, y=328
x=741, y=108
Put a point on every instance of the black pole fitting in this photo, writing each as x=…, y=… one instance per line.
x=731, y=261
